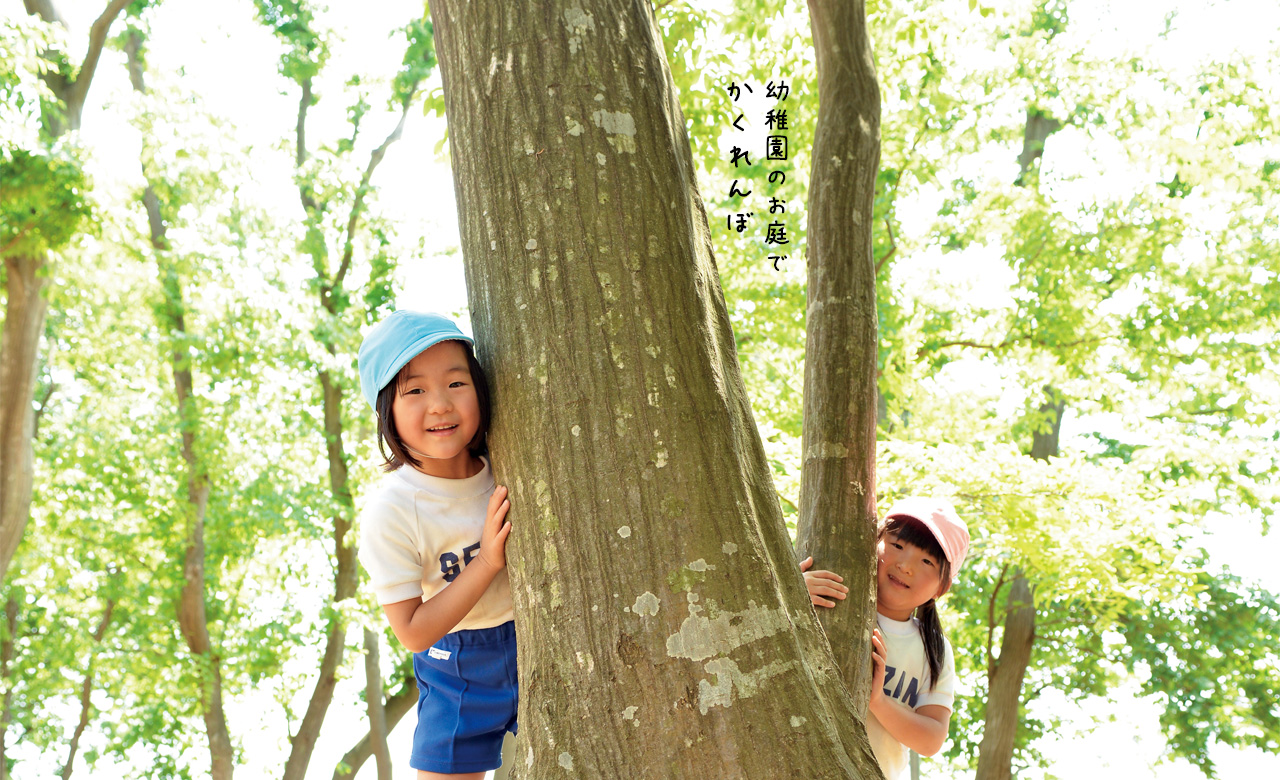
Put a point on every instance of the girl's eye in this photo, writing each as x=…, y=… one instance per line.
x=457, y=384
x=928, y=562
x=896, y=545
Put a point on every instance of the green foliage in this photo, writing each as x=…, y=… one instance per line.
x=419, y=61
x=293, y=22
x=43, y=202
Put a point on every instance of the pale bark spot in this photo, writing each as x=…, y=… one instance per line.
x=826, y=449
x=671, y=375
x=701, y=637
x=599, y=97
x=552, y=273
x=575, y=129
x=728, y=548
x=600, y=158
x=579, y=21
x=701, y=565
x=550, y=557
x=648, y=323
x=585, y=659
x=653, y=399
x=797, y=721
x=615, y=351
x=493, y=244
x=630, y=714
x=621, y=129
x=532, y=245
x=566, y=761
x=529, y=759
x=652, y=351
x=646, y=604
x=660, y=457
x=510, y=56
x=535, y=278
x=555, y=595
x=730, y=680
x=624, y=531
x=576, y=430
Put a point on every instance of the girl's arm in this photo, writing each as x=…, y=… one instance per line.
x=420, y=624
x=923, y=729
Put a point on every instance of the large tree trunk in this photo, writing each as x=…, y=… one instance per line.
x=192, y=618
x=838, y=482
x=663, y=626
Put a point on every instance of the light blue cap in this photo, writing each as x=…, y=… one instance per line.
x=395, y=341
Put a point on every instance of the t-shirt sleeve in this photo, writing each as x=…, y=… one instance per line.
x=389, y=552
x=944, y=693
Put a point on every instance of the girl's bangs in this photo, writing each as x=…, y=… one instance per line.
x=913, y=532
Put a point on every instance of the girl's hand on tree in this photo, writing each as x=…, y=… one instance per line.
x=493, y=539
x=823, y=585
x=878, y=655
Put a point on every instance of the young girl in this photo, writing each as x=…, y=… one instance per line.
x=920, y=548
x=433, y=539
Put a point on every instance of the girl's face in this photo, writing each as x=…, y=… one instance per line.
x=436, y=412
x=906, y=577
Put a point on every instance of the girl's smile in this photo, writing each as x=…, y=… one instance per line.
x=436, y=411
x=906, y=577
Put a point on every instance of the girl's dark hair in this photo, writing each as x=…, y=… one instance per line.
x=394, y=452
x=913, y=532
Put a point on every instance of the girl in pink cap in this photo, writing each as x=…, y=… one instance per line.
x=921, y=545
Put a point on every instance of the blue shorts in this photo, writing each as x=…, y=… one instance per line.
x=466, y=700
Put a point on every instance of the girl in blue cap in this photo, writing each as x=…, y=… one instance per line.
x=433, y=539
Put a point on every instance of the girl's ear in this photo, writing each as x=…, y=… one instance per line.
x=942, y=589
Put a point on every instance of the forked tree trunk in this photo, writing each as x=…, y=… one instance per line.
x=663, y=626
x=396, y=706
x=192, y=618
x=838, y=481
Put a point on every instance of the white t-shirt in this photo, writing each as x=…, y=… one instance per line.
x=418, y=532
x=906, y=682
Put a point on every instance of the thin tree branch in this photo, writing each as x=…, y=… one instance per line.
x=893, y=246
x=97, y=38
x=375, y=159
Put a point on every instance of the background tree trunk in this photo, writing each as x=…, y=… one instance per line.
x=25, y=305
x=1004, y=684
x=1006, y=674
x=373, y=700
x=396, y=706
x=657, y=597
x=838, y=482
x=192, y=618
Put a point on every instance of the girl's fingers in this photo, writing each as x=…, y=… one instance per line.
x=806, y=563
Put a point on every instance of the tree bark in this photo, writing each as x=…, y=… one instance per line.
x=24, y=316
x=837, y=522
x=192, y=617
x=1044, y=444
x=396, y=706
x=663, y=625
x=377, y=709
x=25, y=306
x=1004, y=684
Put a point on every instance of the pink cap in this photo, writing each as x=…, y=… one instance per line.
x=941, y=519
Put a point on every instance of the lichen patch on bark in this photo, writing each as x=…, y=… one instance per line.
x=700, y=637
x=730, y=680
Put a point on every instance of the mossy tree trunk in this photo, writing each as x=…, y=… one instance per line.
x=663, y=626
